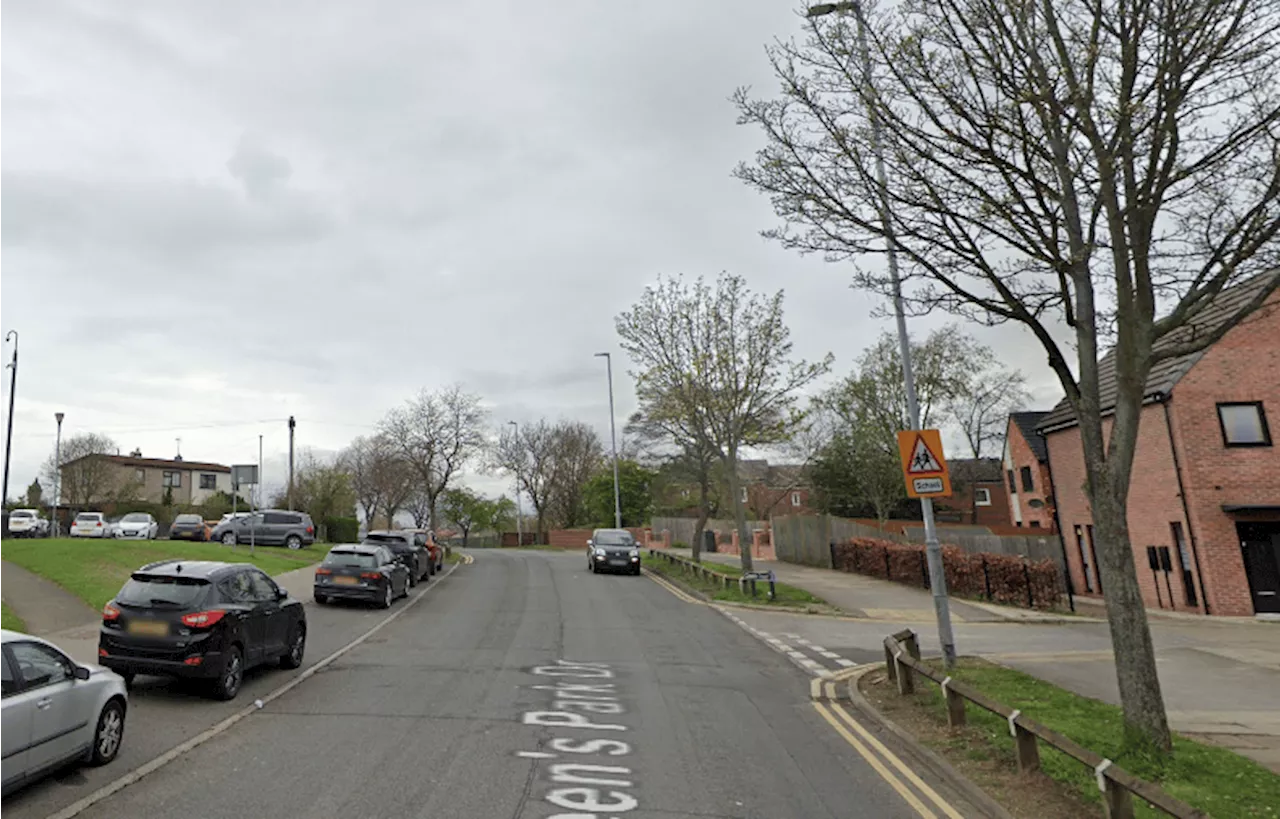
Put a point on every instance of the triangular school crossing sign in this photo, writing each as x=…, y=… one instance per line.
x=924, y=467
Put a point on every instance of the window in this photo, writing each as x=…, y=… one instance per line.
x=239, y=587
x=1013, y=485
x=1184, y=558
x=1244, y=424
x=795, y=498
x=1028, y=485
x=351, y=560
x=158, y=590
x=1093, y=555
x=10, y=682
x=140, y=475
x=982, y=496
x=208, y=481
x=1086, y=567
x=276, y=518
x=744, y=494
x=264, y=591
x=173, y=479
x=40, y=665
x=1035, y=524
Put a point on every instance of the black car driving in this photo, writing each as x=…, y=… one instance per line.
x=613, y=550
x=408, y=549
x=365, y=571
x=201, y=619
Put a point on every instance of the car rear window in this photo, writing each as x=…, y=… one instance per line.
x=351, y=560
x=390, y=539
x=151, y=590
x=88, y=517
x=187, y=519
x=21, y=513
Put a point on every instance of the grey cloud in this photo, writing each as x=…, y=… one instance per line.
x=257, y=167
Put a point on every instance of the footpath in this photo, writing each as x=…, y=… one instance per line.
x=1218, y=675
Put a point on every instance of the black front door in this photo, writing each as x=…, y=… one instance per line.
x=1260, y=544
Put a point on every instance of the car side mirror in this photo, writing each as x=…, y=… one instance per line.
x=590, y=543
x=81, y=673
x=281, y=594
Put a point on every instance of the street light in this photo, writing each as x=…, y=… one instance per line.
x=937, y=574
x=57, y=473
x=519, y=512
x=613, y=433
x=8, y=440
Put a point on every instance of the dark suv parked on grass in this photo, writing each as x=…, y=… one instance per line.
x=268, y=527
x=201, y=619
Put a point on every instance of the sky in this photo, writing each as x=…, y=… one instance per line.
x=218, y=215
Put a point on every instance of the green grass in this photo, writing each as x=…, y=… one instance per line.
x=786, y=595
x=94, y=570
x=453, y=557
x=10, y=620
x=1216, y=780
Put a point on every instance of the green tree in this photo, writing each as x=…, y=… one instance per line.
x=471, y=512
x=322, y=487
x=635, y=490
x=35, y=495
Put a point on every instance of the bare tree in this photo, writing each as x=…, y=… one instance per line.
x=418, y=505
x=576, y=456
x=322, y=487
x=87, y=477
x=529, y=454
x=1110, y=168
x=437, y=433
x=982, y=407
x=718, y=362
x=379, y=478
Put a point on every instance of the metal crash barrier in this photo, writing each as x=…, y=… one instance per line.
x=752, y=577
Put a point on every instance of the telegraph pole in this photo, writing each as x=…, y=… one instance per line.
x=290, y=493
x=8, y=441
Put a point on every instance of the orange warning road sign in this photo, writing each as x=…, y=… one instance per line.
x=924, y=467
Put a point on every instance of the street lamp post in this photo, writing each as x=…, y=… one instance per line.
x=933, y=550
x=57, y=474
x=613, y=433
x=8, y=440
x=519, y=512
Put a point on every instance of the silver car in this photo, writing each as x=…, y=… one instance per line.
x=138, y=525
x=55, y=710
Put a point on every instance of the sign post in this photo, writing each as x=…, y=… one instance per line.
x=241, y=475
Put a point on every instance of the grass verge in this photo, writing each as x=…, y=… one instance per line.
x=94, y=570
x=454, y=556
x=1218, y=781
x=10, y=620
x=788, y=596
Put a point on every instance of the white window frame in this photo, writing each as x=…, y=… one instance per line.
x=979, y=493
x=140, y=475
x=744, y=494
x=795, y=498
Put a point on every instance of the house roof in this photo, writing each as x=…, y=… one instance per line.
x=1167, y=373
x=975, y=470
x=1026, y=423
x=779, y=476
x=157, y=463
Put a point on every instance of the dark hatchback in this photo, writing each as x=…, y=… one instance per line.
x=613, y=550
x=201, y=620
x=409, y=548
x=189, y=527
x=368, y=572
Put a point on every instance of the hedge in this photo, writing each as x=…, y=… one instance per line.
x=341, y=530
x=998, y=578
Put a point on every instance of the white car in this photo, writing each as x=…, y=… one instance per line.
x=55, y=711
x=138, y=525
x=27, y=523
x=90, y=524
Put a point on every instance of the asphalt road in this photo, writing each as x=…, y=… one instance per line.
x=520, y=686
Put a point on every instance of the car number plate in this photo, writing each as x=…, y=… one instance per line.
x=149, y=628
x=346, y=581
x=618, y=561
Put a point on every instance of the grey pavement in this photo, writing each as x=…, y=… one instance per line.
x=521, y=686
x=46, y=607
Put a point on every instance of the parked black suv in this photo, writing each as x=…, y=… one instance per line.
x=201, y=619
x=365, y=571
x=408, y=548
x=268, y=527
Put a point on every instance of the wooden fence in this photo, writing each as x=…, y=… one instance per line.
x=1118, y=786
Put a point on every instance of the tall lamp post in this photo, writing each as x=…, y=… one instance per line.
x=57, y=474
x=8, y=440
x=613, y=433
x=937, y=574
x=519, y=512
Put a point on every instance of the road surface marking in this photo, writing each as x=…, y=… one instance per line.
x=671, y=587
x=845, y=663
x=875, y=763
x=81, y=805
x=911, y=776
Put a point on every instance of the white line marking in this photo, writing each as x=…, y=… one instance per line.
x=536, y=755
x=79, y=806
x=830, y=655
x=845, y=663
x=816, y=648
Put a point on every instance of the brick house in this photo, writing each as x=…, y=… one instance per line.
x=977, y=493
x=774, y=489
x=1204, y=500
x=1029, y=483
x=132, y=477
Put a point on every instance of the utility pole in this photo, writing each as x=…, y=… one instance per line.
x=290, y=492
x=613, y=433
x=933, y=550
x=57, y=474
x=8, y=440
x=519, y=512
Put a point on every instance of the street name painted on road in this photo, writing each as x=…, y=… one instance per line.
x=587, y=797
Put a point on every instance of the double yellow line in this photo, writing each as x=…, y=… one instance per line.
x=842, y=721
x=673, y=588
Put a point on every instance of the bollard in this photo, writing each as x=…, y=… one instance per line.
x=1117, y=802
x=890, y=664
x=1026, y=575
x=1025, y=746
x=955, y=707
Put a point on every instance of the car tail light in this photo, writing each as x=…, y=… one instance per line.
x=203, y=619
x=110, y=612
x=193, y=661
x=311, y=530
x=323, y=571
x=102, y=652
x=99, y=523
x=371, y=575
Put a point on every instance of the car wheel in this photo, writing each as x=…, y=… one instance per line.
x=387, y=595
x=110, y=732
x=321, y=599
x=293, y=542
x=411, y=582
x=292, y=658
x=405, y=591
x=228, y=538
x=231, y=677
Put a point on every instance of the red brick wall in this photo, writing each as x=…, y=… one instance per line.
x=1018, y=454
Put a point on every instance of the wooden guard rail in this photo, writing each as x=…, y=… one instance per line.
x=727, y=581
x=902, y=659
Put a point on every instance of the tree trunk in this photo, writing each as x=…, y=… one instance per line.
x=739, y=510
